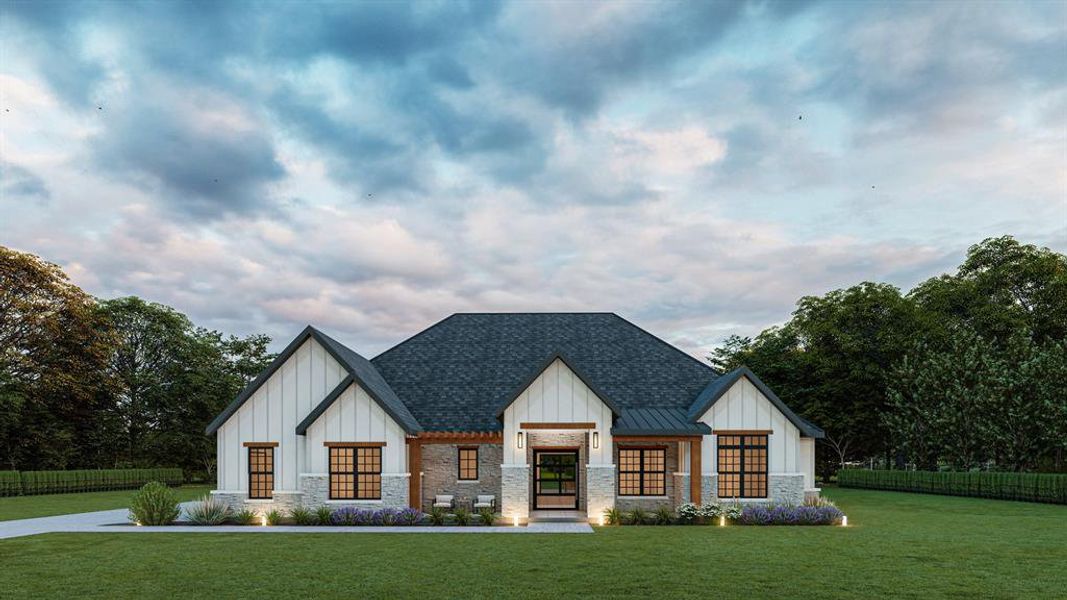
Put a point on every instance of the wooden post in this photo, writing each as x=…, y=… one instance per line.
x=696, y=477
x=415, y=467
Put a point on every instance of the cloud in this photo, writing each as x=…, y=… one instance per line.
x=18, y=182
x=372, y=167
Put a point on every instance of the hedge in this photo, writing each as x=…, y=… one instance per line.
x=13, y=483
x=1031, y=487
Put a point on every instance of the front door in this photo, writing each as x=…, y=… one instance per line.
x=555, y=480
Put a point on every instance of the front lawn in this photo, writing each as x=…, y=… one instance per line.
x=896, y=545
x=46, y=505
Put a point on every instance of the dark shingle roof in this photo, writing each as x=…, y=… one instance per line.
x=456, y=375
x=657, y=421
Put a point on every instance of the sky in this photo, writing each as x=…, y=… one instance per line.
x=372, y=168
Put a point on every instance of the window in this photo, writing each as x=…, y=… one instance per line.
x=642, y=472
x=742, y=466
x=260, y=472
x=468, y=464
x=355, y=473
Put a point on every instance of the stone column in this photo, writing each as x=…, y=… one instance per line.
x=515, y=492
x=599, y=490
x=681, y=487
x=786, y=488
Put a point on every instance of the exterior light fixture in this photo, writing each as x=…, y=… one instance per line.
x=263, y=520
x=515, y=519
x=519, y=439
x=722, y=520
x=844, y=520
x=596, y=439
x=601, y=520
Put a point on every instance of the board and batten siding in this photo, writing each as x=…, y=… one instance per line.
x=272, y=414
x=355, y=417
x=557, y=395
x=742, y=407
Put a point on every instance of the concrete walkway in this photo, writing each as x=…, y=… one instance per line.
x=114, y=521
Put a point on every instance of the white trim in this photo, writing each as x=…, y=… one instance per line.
x=314, y=474
x=229, y=491
x=467, y=481
x=259, y=500
x=598, y=466
x=686, y=474
x=515, y=466
x=355, y=502
x=396, y=474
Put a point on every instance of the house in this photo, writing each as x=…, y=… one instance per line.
x=543, y=411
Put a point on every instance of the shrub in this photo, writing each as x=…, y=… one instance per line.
x=346, y=515
x=817, y=501
x=209, y=511
x=437, y=515
x=10, y=483
x=409, y=516
x=91, y=480
x=486, y=516
x=154, y=504
x=387, y=516
x=274, y=517
x=244, y=517
x=613, y=516
x=688, y=513
x=302, y=516
x=732, y=511
x=1032, y=487
x=790, y=515
x=638, y=516
x=323, y=515
x=664, y=515
x=710, y=513
x=462, y=516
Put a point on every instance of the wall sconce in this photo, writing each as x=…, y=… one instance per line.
x=519, y=439
x=596, y=440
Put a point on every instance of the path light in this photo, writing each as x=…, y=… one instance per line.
x=601, y=520
x=515, y=519
x=263, y=519
x=844, y=520
x=722, y=520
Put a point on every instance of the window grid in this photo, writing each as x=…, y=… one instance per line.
x=468, y=464
x=260, y=473
x=642, y=472
x=355, y=473
x=742, y=462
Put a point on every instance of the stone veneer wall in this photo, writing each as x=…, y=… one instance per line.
x=515, y=491
x=600, y=490
x=546, y=440
x=671, y=498
x=782, y=488
x=440, y=467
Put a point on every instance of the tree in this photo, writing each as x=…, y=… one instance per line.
x=54, y=344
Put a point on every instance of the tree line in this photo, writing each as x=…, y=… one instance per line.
x=965, y=371
x=108, y=383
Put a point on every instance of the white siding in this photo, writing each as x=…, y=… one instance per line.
x=807, y=461
x=272, y=414
x=743, y=406
x=557, y=396
x=356, y=417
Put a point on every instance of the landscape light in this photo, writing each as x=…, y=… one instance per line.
x=844, y=520
x=515, y=519
x=722, y=520
x=263, y=520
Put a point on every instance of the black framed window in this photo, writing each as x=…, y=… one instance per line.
x=742, y=466
x=260, y=472
x=642, y=471
x=468, y=464
x=355, y=473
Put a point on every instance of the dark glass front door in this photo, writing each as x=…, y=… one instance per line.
x=555, y=480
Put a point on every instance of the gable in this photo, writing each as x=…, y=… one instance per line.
x=745, y=400
x=557, y=395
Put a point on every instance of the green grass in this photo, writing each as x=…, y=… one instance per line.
x=896, y=545
x=46, y=505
